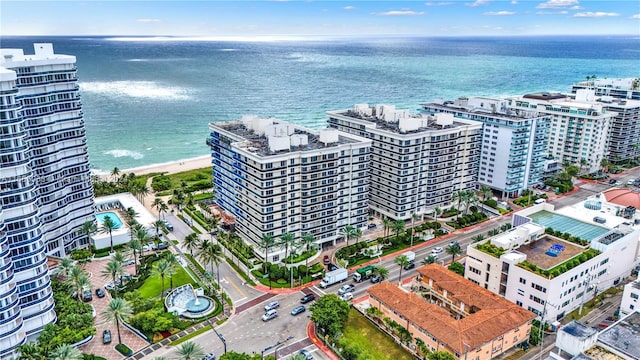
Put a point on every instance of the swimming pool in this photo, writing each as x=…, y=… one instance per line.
x=566, y=224
x=114, y=217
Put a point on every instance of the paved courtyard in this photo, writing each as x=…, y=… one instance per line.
x=129, y=338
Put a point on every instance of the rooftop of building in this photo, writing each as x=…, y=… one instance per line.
x=623, y=197
x=636, y=284
x=491, y=316
x=477, y=106
x=387, y=118
x=538, y=253
x=613, y=83
x=42, y=51
x=597, y=353
x=567, y=224
x=547, y=96
x=623, y=336
x=578, y=329
x=269, y=136
x=612, y=212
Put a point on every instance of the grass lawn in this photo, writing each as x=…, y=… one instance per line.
x=153, y=285
x=361, y=331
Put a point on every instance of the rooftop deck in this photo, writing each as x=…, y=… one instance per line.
x=624, y=336
x=564, y=224
x=537, y=252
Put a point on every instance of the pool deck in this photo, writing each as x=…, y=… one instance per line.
x=536, y=252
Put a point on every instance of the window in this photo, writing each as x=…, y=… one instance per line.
x=634, y=296
x=523, y=281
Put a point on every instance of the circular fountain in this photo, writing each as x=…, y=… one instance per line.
x=188, y=302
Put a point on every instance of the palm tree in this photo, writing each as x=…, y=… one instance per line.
x=32, y=352
x=130, y=214
x=65, y=352
x=163, y=209
x=429, y=260
x=287, y=239
x=64, y=268
x=386, y=224
x=470, y=199
x=113, y=269
x=114, y=173
x=157, y=203
x=89, y=228
x=398, y=227
x=402, y=261
x=107, y=227
x=143, y=191
x=383, y=272
x=307, y=241
x=347, y=232
x=77, y=281
x=191, y=242
x=136, y=248
x=163, y=268
x=453, y=250
x=158, y=224
x=173, y=261
x=118, y=310
x=436, y=211
x=357, y=234
x=189, y=350
x=485, y=192
x=267, y=242
x=414, y=216
x=477, y=238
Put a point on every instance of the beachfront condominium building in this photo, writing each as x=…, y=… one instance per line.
x=514, y=146
x=46, y=192
x=553, y=275
x=277, y=178
x=417, y=161
x=579, y=126
x=449, y=313
x=625, y=88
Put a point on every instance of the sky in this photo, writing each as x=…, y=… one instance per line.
x=282, y=19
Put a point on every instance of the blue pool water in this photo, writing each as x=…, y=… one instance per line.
x=562, y=223
x=114, y=217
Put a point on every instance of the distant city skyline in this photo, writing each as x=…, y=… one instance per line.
x=290, y=19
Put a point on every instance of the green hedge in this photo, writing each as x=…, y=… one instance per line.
x=124, y=349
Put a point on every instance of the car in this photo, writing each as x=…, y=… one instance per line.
x=332, y=267
x=630, y=182
x=437, y=250
x=298, y=310
x=371, y=226
x=272, y=305
x=453, y=243
x=410, y=265
x=163, y=246
x=376, y=278
x=86, y=295
x=168, y=225
x=209, y=356
x=271, y=314
x=111, y=285
x=186, y=221
x=106, y=336
x=346, y=288
x=307, y=355
x=308, y=298
x=100, y=293
x=152, y=246
x=326, y=260
x=128, y=262
x=637, y=182
x=347, y=296
x=612, y=181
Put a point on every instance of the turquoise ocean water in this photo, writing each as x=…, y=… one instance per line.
x=149, y=102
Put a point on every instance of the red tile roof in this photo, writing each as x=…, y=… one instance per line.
x=624, y=197
x=495, y=316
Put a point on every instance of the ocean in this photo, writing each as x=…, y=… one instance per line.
x=148, y=102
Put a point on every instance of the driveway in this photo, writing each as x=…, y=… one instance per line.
x=129, y=338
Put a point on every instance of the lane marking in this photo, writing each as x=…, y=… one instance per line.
x=236, y=287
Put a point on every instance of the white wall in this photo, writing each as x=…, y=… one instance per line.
x=630, y=302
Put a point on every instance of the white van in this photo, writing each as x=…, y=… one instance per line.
x=540, y=201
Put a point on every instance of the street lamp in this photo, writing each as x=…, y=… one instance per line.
x=276, y=346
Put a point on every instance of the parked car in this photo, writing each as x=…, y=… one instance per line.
x=371, y=226
x=168, y=225
x=128, y=262
x=152, y=246
x=272, y=305
x=613, y=181
x=346, y=288
x=326, y=260
x=209, y=356
x=307, y=355
x=347, y=296
x=100, y=293
x=376, y=278
x=298, y=310
x=630, y=182
x=410, y=265
x=332, y=267
x=186, y=221
x=86, y=295
x=271, y=314
x=163, y=245
x=106, y=336
x=307, y=298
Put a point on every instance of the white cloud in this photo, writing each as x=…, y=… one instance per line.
x=477, y=3
x=441, y=3
x=596, y=14
x=555, y=4
x=499, y=13
x=577, y=7
x=148, y=20
x=349, y=7
x=400, y=13
x=636, y=16
x=563, y=12
x=514, y=2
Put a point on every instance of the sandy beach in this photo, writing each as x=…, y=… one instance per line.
x=170, y=167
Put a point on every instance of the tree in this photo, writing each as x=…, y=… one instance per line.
x=440, y=355
x=357, y=234
x=386, y=224
x=66, y=352
x=163, y=268
x=330, y=314
x=485, y=192
x=383, y=272
x=429, y=260
x=307, y=242
x=191, y=242
x=453, y=250
x=211, y=253
x=402, y=261
x=114, y=173
x=436, y=211
x=89, y=228
x=287, y=239
x=31, y=351
x=113, y=269
x=173, y=261
x=158, y=224
x=107, y=227
x=189, y=350
x=64, y=268
x=77, y=284
x=157, y=203
x=398, y=227
x=457, y=268
x=470, y=199
x=348, y=232
x=583, y=162
x=118, y=310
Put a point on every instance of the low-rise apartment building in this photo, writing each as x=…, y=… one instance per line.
x=417, y=161
x=630, y=298
x=449, y=313
x=277, y=178
x=514, y=145
x=547, y=274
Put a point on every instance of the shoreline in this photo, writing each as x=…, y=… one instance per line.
x=170, y=167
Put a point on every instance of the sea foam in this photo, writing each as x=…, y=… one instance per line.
x=118, y=153
x=136, y=89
